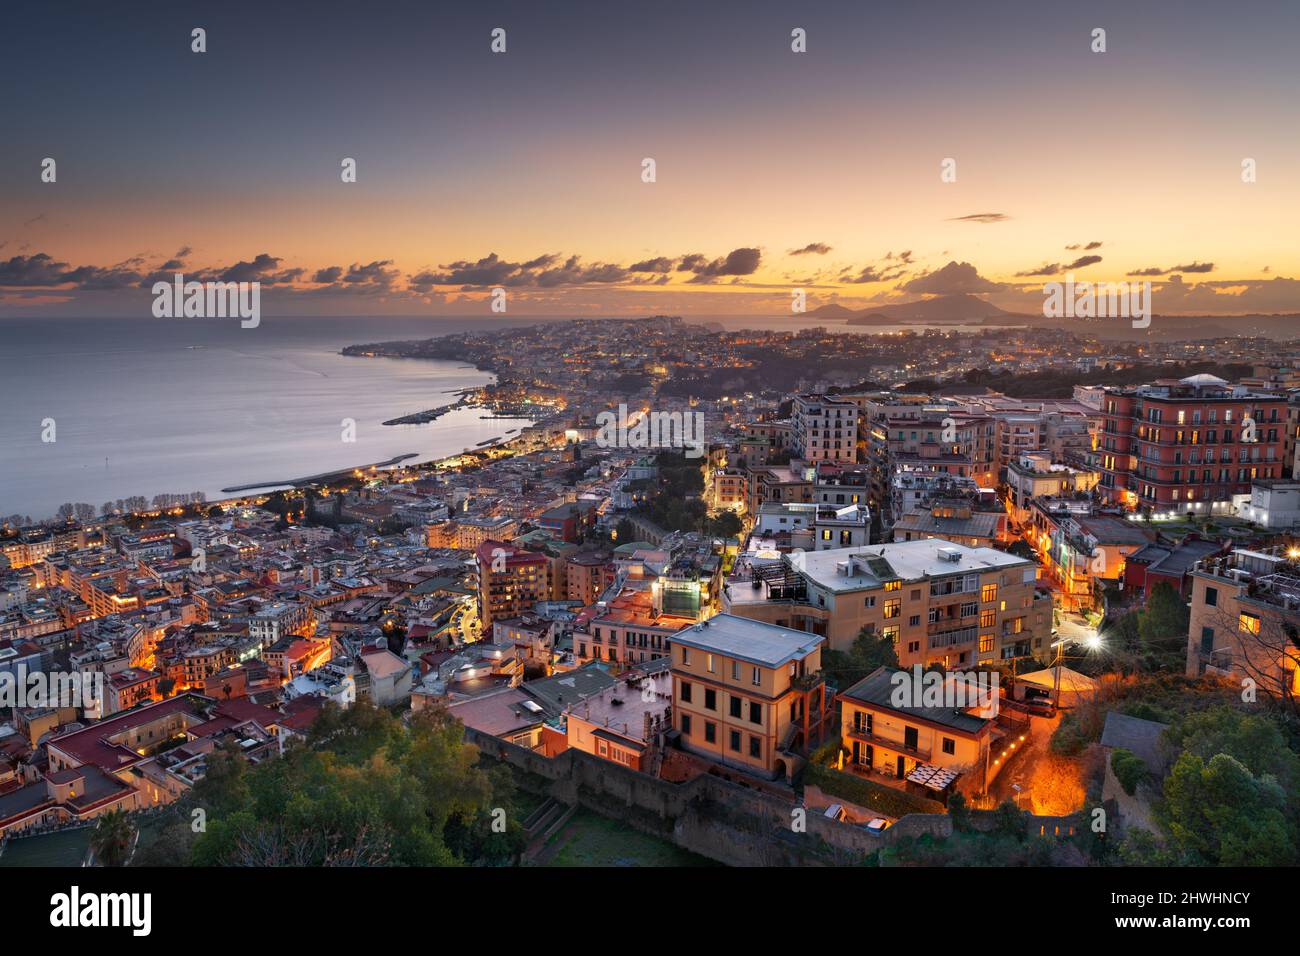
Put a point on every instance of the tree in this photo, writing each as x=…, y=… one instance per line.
x=1220, y=813
x=1160, y=630
x=1128, y=768
x=625, y=531
x=845, y=668
x=111, y=841
x=365, y=789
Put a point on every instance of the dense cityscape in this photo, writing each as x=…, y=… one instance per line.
x=697, y=638
x=821, y=451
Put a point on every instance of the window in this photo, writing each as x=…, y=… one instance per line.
x=710, y=732
x=1211, y=597
x=986, y=643
x=710, y=699
x=914, y=620
x=686, y=692
x=1207, y=640
x=735, y=670
x=686, y=725
x=949, y=745
x=708, y=663
x=890, y=633
x=755, y=748
x=869, y=602
x=862, y=722
x=735, y=741
x=686, y=655
x=893, y=608
x=989, y=592
x=893, y=585
x=754, y=677
x=735, y=707
x=755, y=712
x=988, y=618
x=1249, y=623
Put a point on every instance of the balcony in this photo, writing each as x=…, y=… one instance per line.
x=888, y=744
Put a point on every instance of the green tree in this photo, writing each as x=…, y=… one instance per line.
x=1220, y=813
x=112, y=838
x=845, y=668
x=1128, y=768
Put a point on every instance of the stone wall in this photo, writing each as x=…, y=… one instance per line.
x=716, y=818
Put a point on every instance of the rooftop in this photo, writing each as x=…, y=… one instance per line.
x=878, y=687
x=768, y=645
x=908, y=560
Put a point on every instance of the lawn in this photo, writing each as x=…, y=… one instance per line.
x=65, y=848
x=589, y=839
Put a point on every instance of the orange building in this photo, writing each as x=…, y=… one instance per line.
x=748, y=694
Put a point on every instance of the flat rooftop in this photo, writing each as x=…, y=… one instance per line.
x=909, y=560
x=768, y=645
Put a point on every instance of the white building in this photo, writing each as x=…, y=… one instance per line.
x=1273, y=504
x=825, y=429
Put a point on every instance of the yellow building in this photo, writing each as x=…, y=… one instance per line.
x=889, y=726
x=748, y=694
x=938, y=602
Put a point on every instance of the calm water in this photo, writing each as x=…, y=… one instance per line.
x=143, y=407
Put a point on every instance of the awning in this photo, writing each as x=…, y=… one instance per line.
x=932, y=777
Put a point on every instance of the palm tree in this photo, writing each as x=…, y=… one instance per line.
x=111, y=841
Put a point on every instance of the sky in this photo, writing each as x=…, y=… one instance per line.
x=773, y=169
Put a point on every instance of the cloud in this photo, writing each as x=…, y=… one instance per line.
x=1088, y=246
x=1057, y=268
x=953, y=278
x=813, y=248
x=37, y=270
x=1189, y=267
x=982, y=217
x=261, y=266
x=738, y=262
x=328, y=274
x=658, y=264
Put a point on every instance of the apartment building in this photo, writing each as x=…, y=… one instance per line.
x=627, y=630
x=622, y=723
x=938, y=602
x=1245, y=615
x=883, y=737
x=824, y=429
x=955, y=443
x=729, y=490
x=955, y=520
x=1193, y=445
x=510, y=580
x=749, y=694
x=1035, y=475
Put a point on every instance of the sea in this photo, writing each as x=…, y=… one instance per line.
x=168, y=406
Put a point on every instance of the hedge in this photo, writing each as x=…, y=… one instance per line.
x=867, y=793
x=1128, y=768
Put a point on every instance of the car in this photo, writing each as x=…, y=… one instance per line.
x=878, y=825
x=1037, y=704
x=834, y=812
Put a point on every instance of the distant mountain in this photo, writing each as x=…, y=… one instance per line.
x=959, y=307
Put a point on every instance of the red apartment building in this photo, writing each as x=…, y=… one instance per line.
x=1188, y=445
x=510, y=580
